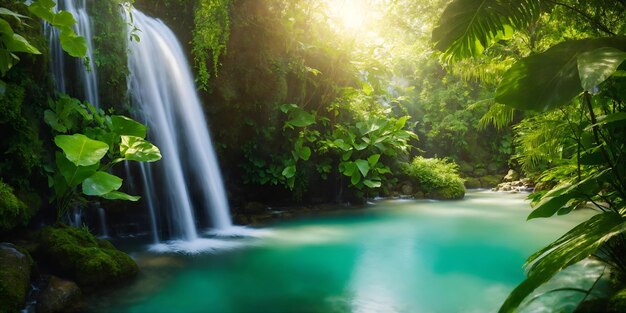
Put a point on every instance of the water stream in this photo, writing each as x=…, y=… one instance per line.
x=187, y=182
x=394, y=256
x=85, y=69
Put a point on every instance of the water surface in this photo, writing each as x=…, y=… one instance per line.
x=394, y=256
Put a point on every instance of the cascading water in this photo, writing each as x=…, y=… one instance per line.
x=162, y=89
x=86, y=72
x=187, y=181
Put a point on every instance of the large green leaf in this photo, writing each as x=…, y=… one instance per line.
x=74, y=175
x=137, y=149
x=80, y=149
x=20, y=44
x=123, y=125
x=363, y=166
x=100, y=183
x=300, y=118
x=73, y=44
x=118, y=195
x=467, y=27
x=550, y=79
x=17, y=16
x=595, y=66
x=575, y=245
x=554, y=200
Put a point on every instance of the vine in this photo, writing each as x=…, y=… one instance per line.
x=210, y=37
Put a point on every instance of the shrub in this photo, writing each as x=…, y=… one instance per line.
x=437, y=178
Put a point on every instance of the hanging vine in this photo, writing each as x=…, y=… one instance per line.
x=210, y=37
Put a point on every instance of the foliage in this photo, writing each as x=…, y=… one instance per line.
x=468, y=27
x=437, y=178
x=110, y=50
x=210, y=36
x=589, y=151
x=526, y=86
x=13, y=212
x=104, y=140
x=21, y=147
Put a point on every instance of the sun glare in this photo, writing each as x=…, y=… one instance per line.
x=350, y=14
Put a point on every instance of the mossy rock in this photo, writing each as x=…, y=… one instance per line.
x=472, y=183
x=13, y=211
x=15, y=270
x=490, y=181
x=76, y=253
x=456, y=193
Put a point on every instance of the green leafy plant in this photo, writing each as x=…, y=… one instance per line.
x=585, y=73
x=90, y=143
x=12, y=42
x=438, y=178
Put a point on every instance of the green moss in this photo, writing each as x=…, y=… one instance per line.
x=13, y=212
x=110, y=52
x=78, y=254
x=490, y=181
x=472, y=183
x=15, y=267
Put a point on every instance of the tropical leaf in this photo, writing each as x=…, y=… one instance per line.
x=80, y=149
x=595, y=66
x=74, y=175
x=498, y=115
x=289, y=171
x=363, y=166
x=558, y=197
x=100, y=183
x=545, y=81
x=137, y=149
x=118, y=195
x=574, y=246
x=467, y=27
x=123, y=125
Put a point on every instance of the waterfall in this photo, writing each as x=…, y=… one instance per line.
x=86, y=70
x=103, y=223
x=187, y=179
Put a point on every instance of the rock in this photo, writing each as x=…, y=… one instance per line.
x=472, y=183
x=60, y=296
x=77, y=254
x=254, y=207
x=490, y=181
x=15, y=270
x=512, y=175
x=406, y=189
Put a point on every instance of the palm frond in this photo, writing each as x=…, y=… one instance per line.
x=467, y=27
x=498, y=115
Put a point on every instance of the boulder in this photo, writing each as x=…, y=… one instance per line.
x=15, y=270
x=472, y=183
x=60, y=296
x=254, y=207
x=77, y=254
x=512, y=175
x=406, y=189
x=490, y=181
